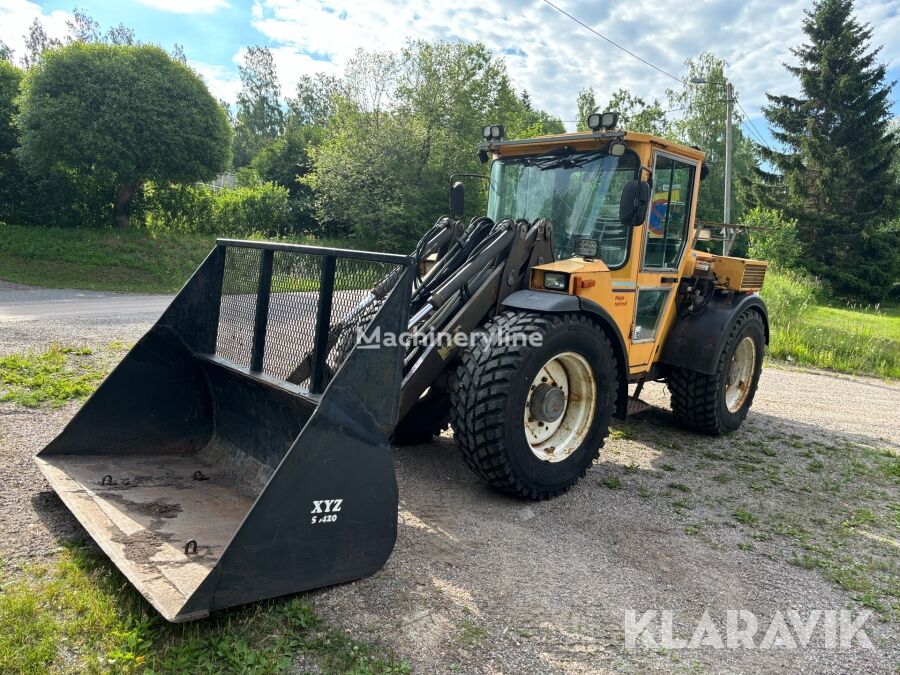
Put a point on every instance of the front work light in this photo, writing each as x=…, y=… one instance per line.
x=493, y=132
x=598, y=121
x=617, y=148
x=586, y=247
x=556, y=281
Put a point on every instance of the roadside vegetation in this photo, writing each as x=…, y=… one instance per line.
x=79, y=614
x=127, y=260
x=808, y=328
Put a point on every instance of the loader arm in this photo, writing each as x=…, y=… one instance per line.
x=473, y=290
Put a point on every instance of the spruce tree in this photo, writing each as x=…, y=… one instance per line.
x=834, y=173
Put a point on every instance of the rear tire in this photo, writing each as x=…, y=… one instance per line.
x=514, y=431
x=717, y=404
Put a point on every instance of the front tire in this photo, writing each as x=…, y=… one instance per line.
x=718, y=403
x=530, y=418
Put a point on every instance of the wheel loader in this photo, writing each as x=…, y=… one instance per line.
x=243, y=448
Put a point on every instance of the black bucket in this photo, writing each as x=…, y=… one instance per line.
x=240, y=450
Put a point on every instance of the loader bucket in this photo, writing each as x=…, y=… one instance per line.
x=240, y=450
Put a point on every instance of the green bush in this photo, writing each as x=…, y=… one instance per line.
x=263, y=208
x=185, y=209
x=244, y=211
x=776, y=238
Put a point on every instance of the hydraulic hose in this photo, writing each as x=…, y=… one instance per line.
x=486, y=252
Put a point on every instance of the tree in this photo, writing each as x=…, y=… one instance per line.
x=121, y=115
x=83, y=27
x=36, y=43
x=314, y=100
x=772, y=237
x=834, y=171
x=635, y=114
x=120, y=35
x=285, y=162
x=10, y=76
x=703, y=125
x=260, y=119
x=6, y=53
x=402, y=125
x=178, y=54
x=585, y=104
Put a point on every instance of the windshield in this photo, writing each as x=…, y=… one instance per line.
x=579, y=192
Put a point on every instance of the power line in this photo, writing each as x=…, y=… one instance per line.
x=752, y=126
x=655, y=67
x=614, y=44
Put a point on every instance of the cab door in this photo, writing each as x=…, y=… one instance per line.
x=665, y=235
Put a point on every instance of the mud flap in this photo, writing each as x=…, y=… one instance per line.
x=208, y=478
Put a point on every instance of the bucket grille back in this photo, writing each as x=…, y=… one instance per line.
x=274, y=296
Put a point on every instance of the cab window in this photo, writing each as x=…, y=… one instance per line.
x=670, y=206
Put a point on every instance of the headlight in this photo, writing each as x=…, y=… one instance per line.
x=556, y=281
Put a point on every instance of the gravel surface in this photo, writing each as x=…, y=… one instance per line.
x=482, y=583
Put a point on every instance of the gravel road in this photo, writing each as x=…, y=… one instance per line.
x=482, y=583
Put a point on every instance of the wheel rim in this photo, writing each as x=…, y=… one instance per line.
x=740, y=374
x=560, y=407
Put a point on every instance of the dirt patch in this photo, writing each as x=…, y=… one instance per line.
x=158, y=510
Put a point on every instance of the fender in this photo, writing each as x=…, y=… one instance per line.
x=544, y=302
x=696, y=342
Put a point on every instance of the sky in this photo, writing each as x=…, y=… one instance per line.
x=546, y=52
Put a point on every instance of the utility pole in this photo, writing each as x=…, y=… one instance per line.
x=729, y=151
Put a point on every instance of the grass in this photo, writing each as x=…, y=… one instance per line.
x=55, y=376
x=745, y=517
x=80, y=615
x=131, y=260
x=857, y=340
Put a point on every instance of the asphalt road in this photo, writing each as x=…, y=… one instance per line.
x=24, y=303
x=36, y=317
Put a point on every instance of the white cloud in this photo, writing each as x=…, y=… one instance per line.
x=186, y=6
x=558, y=57
x=16, y=17
x=222, y=81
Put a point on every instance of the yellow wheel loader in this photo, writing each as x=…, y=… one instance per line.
x=242, y=449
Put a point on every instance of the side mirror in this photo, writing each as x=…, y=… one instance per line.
x=633, y=205
x=457, y=200
x=704, y=171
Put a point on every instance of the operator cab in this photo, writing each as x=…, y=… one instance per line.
x=580, y=191
x=598, y=186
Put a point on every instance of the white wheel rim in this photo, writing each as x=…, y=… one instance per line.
x=554, y=441
x=740, y=374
